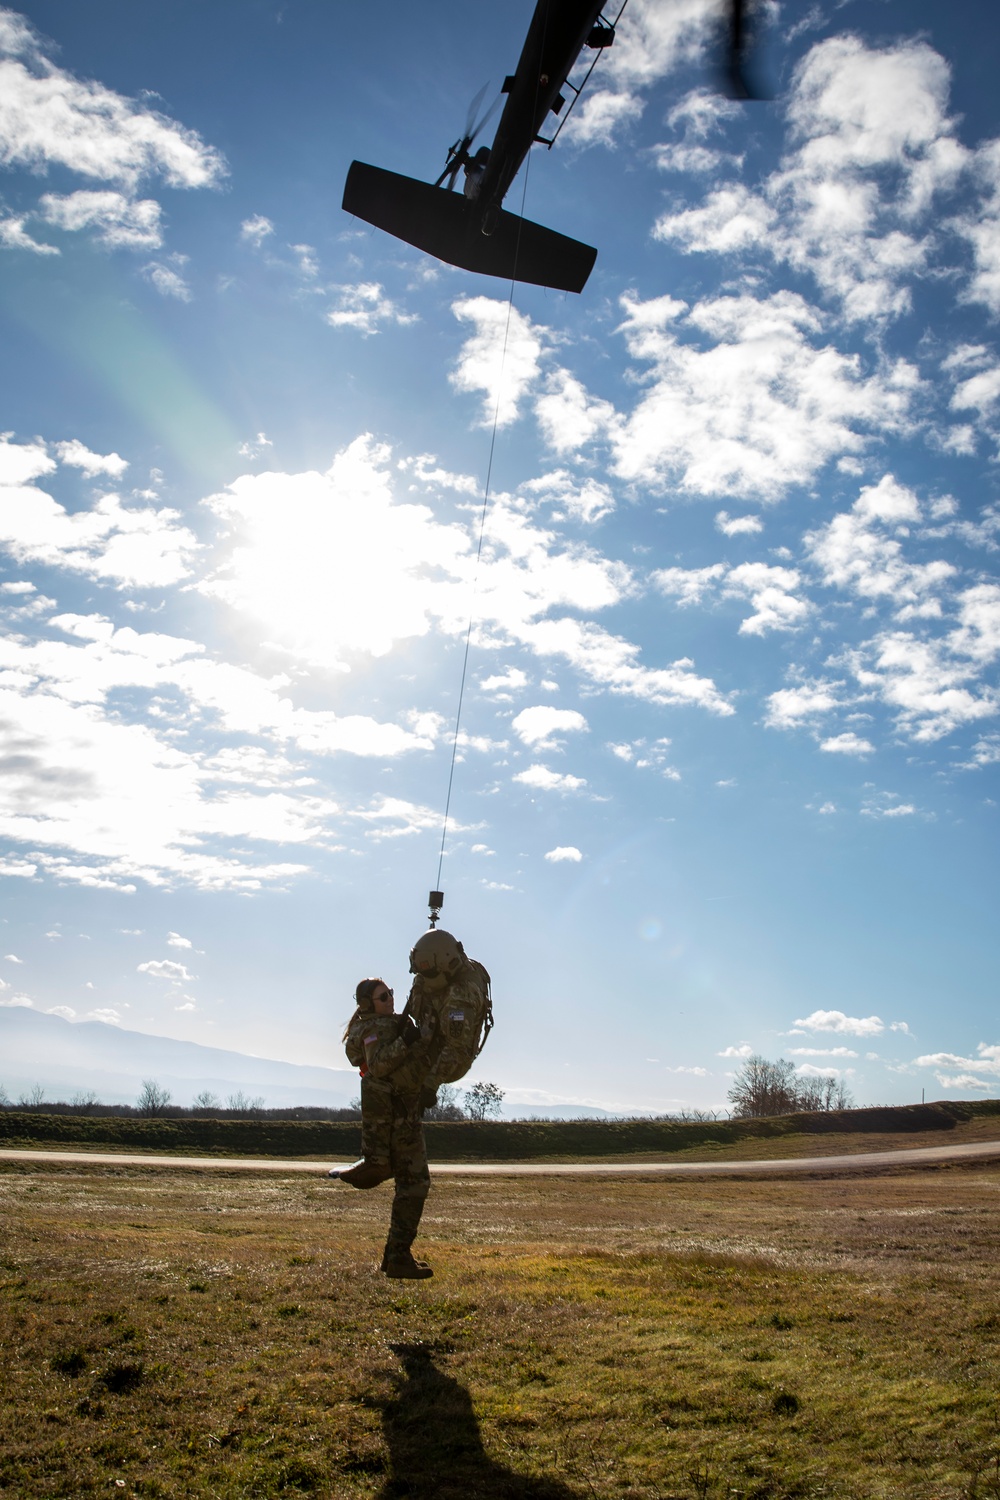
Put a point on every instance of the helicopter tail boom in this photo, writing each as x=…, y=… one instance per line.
x=448, y=226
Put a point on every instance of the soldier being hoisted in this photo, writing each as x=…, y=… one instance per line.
x=402, y=1060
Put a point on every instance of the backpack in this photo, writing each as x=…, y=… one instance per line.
x=463, y=1014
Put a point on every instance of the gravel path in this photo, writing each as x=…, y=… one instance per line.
x=865, y=1161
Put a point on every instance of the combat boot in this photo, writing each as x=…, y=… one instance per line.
x=401, y=1265
x=364, y=1173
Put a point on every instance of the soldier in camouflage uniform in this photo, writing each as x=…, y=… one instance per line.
x=449, y=999
x=394, y=1060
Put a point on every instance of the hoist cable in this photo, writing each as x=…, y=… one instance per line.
x=482, y=529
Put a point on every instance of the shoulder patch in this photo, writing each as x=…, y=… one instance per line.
x=372, y=1038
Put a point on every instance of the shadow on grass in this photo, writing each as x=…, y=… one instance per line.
x=435, y=1448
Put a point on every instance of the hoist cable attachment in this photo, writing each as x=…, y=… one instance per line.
x=435, y=901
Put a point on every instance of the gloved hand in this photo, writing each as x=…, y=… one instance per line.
x=411, y=1033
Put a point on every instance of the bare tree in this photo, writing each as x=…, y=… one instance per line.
x=447, y=1106
x=83, y=1101
x=763, y=1088
x=33, y=1097
x=483, y=1100
x=824, y=1093
x=239, y=1104
x=152, y=1099
x=206, y=1100
x=4, y=1097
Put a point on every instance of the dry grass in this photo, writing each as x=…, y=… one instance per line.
x=216, y=1335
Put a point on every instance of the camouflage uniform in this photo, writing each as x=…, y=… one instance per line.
x=391, y=1131
x=456, y=1013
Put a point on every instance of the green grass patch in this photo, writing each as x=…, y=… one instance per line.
x=230, y=1337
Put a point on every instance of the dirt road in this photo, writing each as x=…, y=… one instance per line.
x=866, y=1161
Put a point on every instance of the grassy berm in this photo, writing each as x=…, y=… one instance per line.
x=221, y=1335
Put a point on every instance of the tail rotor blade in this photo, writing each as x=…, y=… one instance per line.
x=487, y=117
x=739, y=47
x=474, y=109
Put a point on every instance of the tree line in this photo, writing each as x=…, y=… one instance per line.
x=481, y=1101
x=760, y=1088
x=763, y=1088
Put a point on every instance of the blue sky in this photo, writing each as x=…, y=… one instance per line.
x=728, y=764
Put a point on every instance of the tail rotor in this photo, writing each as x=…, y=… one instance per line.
x=458, y=153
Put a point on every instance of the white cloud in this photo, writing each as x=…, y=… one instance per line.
x=569, y=415
x=738, y=525
x=887, y=805
x=847, y=744
x=731, y=219
x=545, y=780
x=688, y=585
x=761, y=409
x=107, y=1014
x=657, y=39
x=987, y=1061
x=394, y=817
x=256, y=448
x=610, y=662
x=78, y=456
x=18, y=1002
x=174, y=940
x=539, y=726
x=165, y=968
x=50, y=118
x=743, y=1050
x=564, y=854
x=314, y=597
x=788, y=708
x=933, y=683
x=985, y=752
x=503, y=684
x=602, y=118
x=861, y=551
x=256, y=229
x=771, y=590
x=821, y=1052
x=12, y=958
x=502, y=358
x=135, y=546
x=66, y=1011
x=588, y=500
x=167, y=281
x=837, y=1021
x=119, y=222
x=982, y=229
x=872, y=146
x=364, y=306
x=127, y=805
x=14, y=236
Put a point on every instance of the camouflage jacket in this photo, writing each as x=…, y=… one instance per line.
x=376, y=1045
x=456, y=1018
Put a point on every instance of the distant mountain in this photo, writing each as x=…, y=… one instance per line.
x=63, y=1057
x=556, y=1112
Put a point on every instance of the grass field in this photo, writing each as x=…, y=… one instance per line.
x=179, y=1334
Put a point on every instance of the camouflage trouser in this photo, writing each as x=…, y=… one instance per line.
x=376, y=1120
x=408, y=1156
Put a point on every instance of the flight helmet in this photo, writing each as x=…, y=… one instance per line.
x=437, y=957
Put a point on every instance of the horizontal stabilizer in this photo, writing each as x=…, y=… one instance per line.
x=448, y=226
